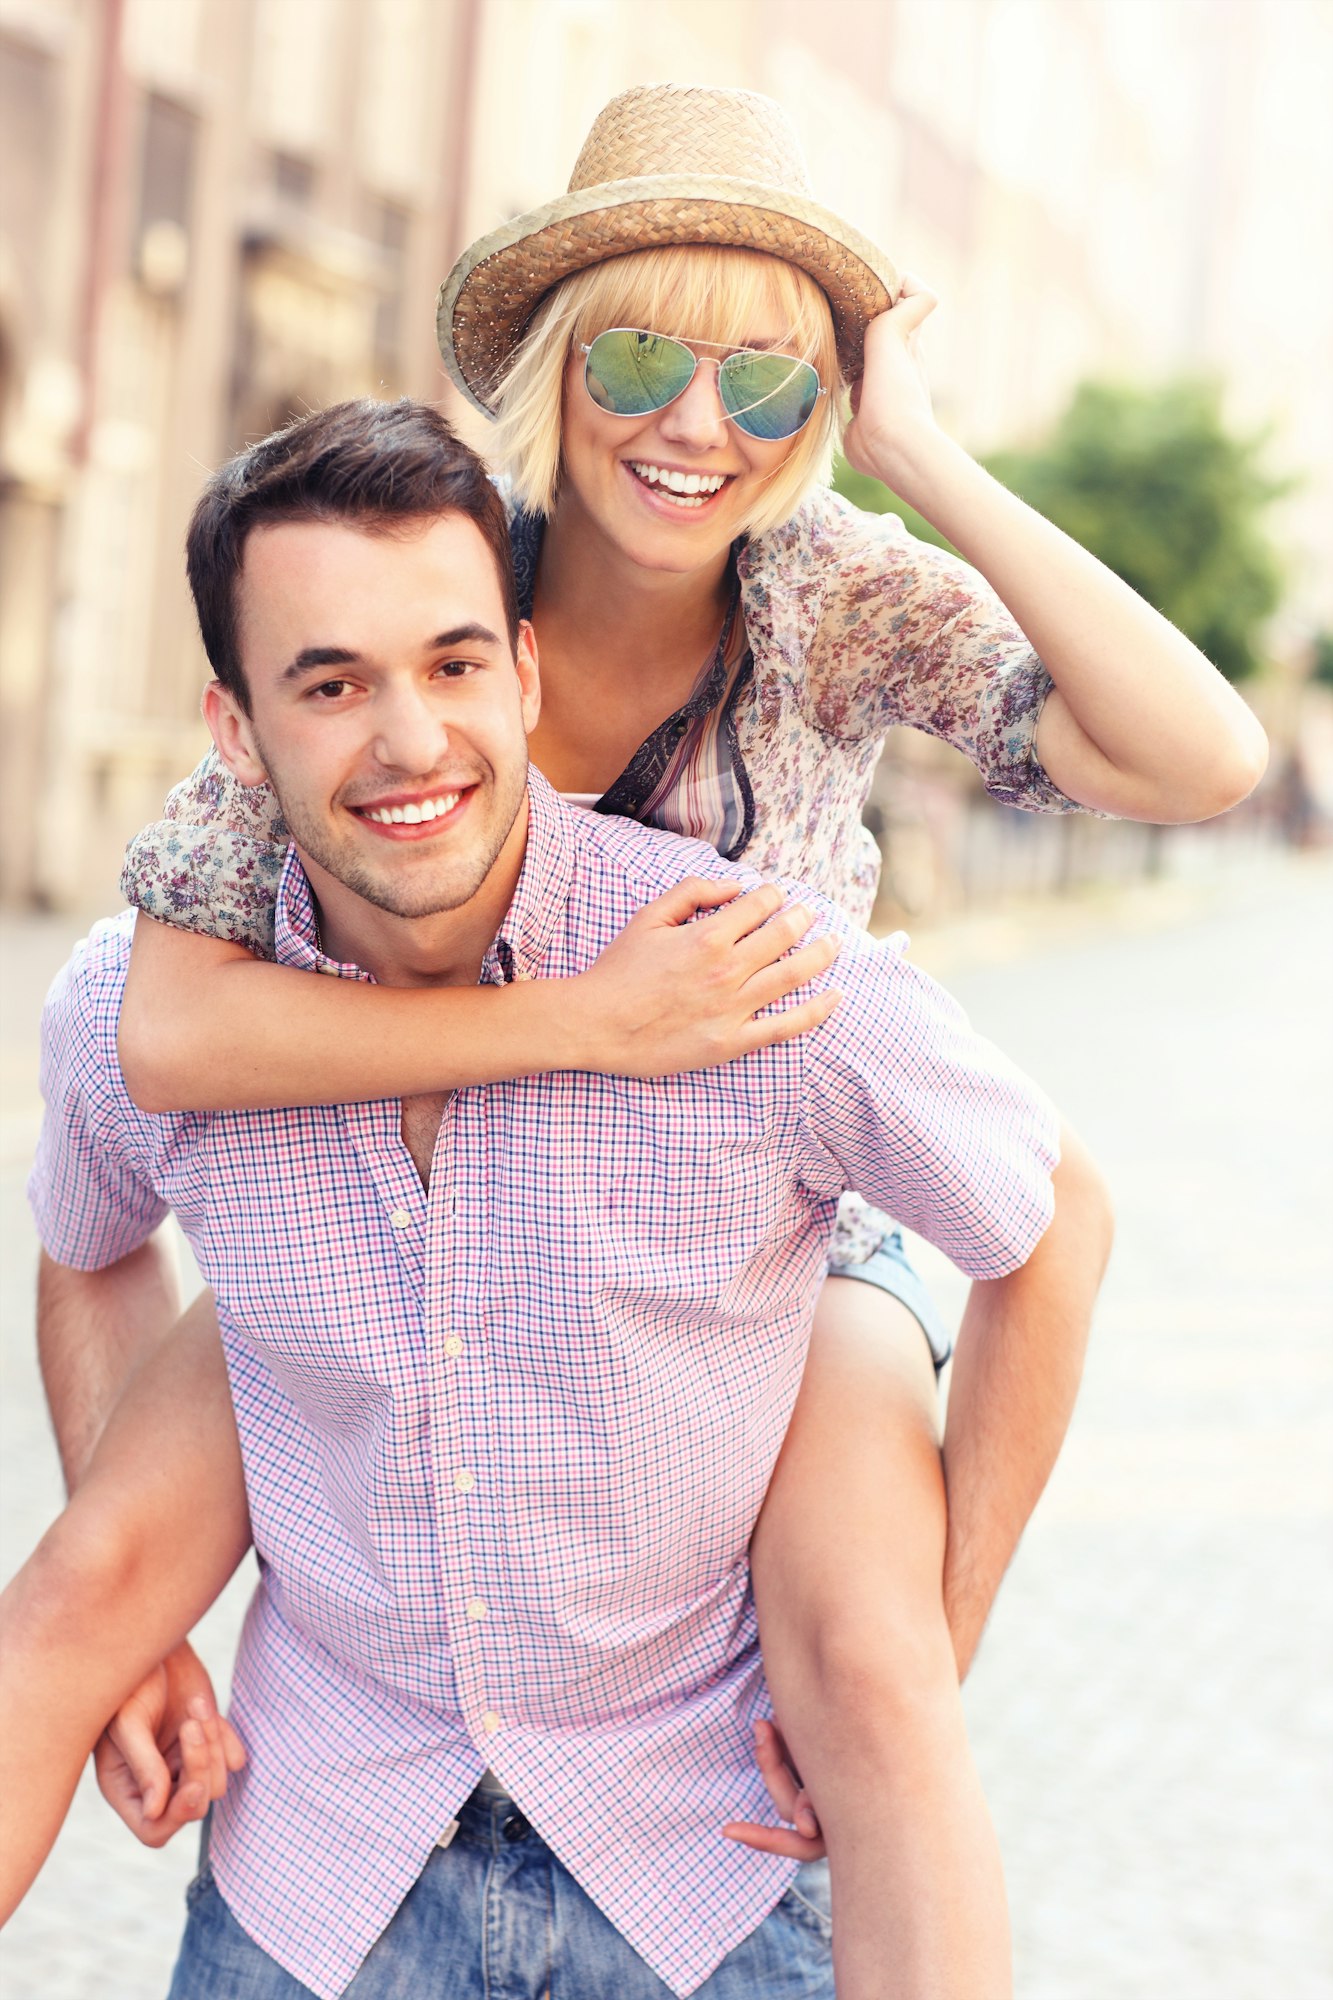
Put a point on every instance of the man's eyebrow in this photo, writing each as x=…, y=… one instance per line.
x=311, y=657
x=462, y=635
x=318, y=656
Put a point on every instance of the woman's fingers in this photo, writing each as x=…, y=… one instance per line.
x=914, y=305
x=797, y=968
x=785, y=1026
x=683, y=901
x=801, y=1841
x=212, y=1764
x=141, y=1770
x=774, y=1840
x=233, y=1750
x=767, y=941
x=748, y=915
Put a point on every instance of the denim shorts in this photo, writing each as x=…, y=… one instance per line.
x=888, y=1267
x=495, y=1914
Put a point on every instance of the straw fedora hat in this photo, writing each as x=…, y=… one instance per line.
x=663, y=164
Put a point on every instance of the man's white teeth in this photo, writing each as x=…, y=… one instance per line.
x=687, y=489
x=414, y=815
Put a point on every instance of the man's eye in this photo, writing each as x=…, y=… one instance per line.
x=455, y=669
x=331, y=689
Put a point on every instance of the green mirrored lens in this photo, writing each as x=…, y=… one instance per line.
x=768, y=395
x=631, y=373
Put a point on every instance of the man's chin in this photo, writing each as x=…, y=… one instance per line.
x=433, y=895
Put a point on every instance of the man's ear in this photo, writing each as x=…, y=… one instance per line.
x=233, y=734
x=529, y=680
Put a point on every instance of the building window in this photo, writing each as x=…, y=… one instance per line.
x=166, y=195
x=293, y=181
x=387, y=224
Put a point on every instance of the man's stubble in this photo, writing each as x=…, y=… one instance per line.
x=456, y=879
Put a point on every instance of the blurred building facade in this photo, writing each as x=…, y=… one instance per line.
x=215, y=213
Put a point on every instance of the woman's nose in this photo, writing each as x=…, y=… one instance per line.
x=697, y=418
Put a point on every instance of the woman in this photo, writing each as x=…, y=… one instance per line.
x=723, y=645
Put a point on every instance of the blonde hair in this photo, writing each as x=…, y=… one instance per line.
x=698, y=292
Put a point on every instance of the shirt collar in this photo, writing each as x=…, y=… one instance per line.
x=538, y=901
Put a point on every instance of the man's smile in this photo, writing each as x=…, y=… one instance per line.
x=414, y=816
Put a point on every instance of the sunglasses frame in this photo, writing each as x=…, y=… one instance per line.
x=585, y=348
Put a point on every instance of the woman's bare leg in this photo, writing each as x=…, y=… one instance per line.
x=147, y=1541
x=848, y=1562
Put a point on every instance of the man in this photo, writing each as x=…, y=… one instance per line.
x=502, y=1502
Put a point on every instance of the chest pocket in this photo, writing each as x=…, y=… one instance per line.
x=301, y=1248
x=695, y=1186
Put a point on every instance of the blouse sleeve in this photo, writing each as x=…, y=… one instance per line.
x=908, y=633
x=213, y=861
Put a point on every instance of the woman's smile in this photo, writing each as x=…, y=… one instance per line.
x=676, y=489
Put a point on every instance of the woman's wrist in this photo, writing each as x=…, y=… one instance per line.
x=921, y=464
x=552, y=1023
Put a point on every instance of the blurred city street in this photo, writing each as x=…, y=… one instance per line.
x=1152, y=1707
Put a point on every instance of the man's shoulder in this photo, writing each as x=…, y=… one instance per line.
x=90, y=983
x=647, y=858
x=82, y=1014
x=621, y=865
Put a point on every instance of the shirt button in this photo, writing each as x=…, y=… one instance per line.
x=464, y=1482
x=401, y=1219
x=453, y=1347
x=476, y=1608
x=490, y=1721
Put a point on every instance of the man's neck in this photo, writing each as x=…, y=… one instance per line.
x=444, y=949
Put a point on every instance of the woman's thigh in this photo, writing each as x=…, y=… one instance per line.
x=856, y=1502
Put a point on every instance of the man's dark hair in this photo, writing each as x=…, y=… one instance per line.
x=380, y=466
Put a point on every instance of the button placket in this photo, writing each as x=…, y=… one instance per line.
x=455, y=1331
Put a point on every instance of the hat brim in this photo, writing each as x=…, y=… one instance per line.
x=495, y=287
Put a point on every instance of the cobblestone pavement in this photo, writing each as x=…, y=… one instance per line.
x=1152, y=1708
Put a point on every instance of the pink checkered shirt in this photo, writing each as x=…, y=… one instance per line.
x=505, y=1441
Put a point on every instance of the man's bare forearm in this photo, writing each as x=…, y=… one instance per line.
x=93, y=1329
x=1015, y=1379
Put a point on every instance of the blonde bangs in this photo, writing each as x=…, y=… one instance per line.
x=694, y=292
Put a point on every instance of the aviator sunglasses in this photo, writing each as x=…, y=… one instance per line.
x=631, y=373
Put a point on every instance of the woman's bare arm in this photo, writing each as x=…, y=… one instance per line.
x=206, y=1026
x=1139, y=723
x=151, y=1535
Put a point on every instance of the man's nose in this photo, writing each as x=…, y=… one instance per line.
x=697, y=418
x=409, y=733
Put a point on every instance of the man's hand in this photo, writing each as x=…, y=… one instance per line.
x=670, y=994
x=167, y=1754
x=805, y=1843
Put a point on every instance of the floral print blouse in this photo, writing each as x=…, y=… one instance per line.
x=852, y=626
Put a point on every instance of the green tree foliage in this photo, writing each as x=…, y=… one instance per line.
x=1321, y=666
x=1153, y=482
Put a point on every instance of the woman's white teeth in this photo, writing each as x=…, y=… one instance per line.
x=688, y=488
x=414, y=815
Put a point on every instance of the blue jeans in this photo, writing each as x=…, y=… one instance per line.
x=494, y=1916
x=892, y=1271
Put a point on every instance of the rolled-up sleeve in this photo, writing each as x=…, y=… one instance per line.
x=90, y=1190
x=909, y=633
x=906, y=1103
x=213, y=862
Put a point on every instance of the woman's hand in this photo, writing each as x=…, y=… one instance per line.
x=670, y=994
x=806, y=1842
x=167, y=1753
x=891, y=402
